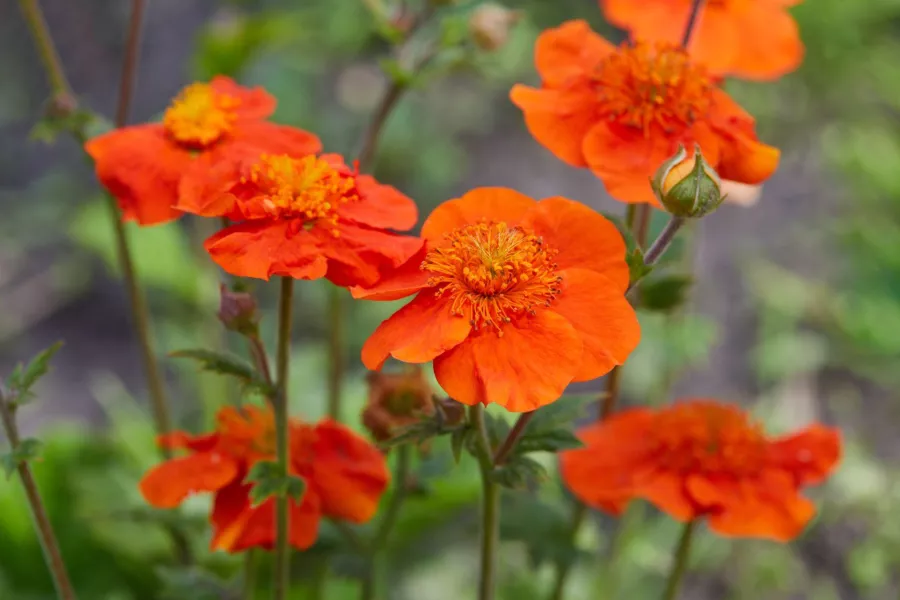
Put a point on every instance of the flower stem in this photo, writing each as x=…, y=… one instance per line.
x=386, y=526
x=251, y=559
x=490, y=512
x=37, y=25
x=282, y=548
x=661, y=244
x=696, y=6
x=564, y=568
x=509, y=444
x=50, y=546
x=679, y=566
x=335, y=351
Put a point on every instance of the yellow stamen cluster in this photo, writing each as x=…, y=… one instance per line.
x=711, y=438
x=645, y=85
x=200, y=115
x=493, y=273
x=307, y=188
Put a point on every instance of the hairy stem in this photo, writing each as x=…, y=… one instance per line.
x=282, y=547
x=509, y=444
x=50, y=546
x=37, y=25
x=490, y=511
x=251, y=559
x=680, y=562
x=335, y=351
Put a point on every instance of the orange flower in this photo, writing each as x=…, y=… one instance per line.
x=306, y=217
x=143, y=165
x=753, y=39
x=515, y=299
x=623, y=111
x=345, y=477
x=703, y=458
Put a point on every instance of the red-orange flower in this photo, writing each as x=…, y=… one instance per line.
x=143, y=165
x=345, y=477
x=515, y=299
x=623, y=111
x=306, y=217
x=703, y=458
x=754, y=39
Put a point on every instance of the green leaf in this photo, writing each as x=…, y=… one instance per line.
x=458, y=441
x=497, y=428
x=562, y=413
x=413, y=434
x=268, y=481
x=519, y=472
x=24, y=376
x=637, y=268
x=665, y=294
x=226, y=364
x=27, y=450
x=399, y=74
x=551, y=441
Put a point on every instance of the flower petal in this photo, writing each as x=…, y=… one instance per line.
x=270, y=138
x=605, y=321
x=349, y=473
x=527, y=367
x=810, y=455
x=666, y=491
x=359, y=254
x=569, y=51
x=584, y=238
x=770, y=46
x=381, y=206
x=403, y=281
x=169, y=483
x=141, y=168
x=557, y=119
x=416, y=333
x=261, y=249
x=481, y=204
x=254, y=527
x=255, y=103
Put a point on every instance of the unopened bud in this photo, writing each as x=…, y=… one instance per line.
x=687, y=186
x=237, y=311
x=491, y=24
x=452, y=411
x=396, y=400
x=61, y=106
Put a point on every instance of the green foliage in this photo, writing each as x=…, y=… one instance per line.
x=268, y=481
x=27, y=450
x=232, y=366
x=665, y=293
x=24, y=376
x=520, y=472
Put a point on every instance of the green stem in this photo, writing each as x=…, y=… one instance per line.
x=679, y=565
x=49, y=544
x=563, y=569
x=509, y=444
x=335, y=351
x=282, y=547
x=251, y=560
x=696, y=6
x=37, y=25
x=490, y=511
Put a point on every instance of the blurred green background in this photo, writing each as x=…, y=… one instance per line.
x=795, y=311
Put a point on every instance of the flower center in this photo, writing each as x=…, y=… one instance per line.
x=493, y=273
x=710, y=438
x=646, y=86
x=308, y=188
x=200, y=116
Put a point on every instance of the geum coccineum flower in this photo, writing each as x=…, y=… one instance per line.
x=515, y=299
x=752, y=39
x=143, y=165
x=306, y=218
x=345, y=477
x=623, y=111
x=703, y=458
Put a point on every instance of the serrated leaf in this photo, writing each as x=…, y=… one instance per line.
x=637, y=268
x=24, y=376
x=226, y=364
x=458, y=442
x=27, y=450
x=562, y=413
x=295, y=488
x=497, y=429
x=268, y=481
x=519, y=472
x=665, y=294
x=550, y=441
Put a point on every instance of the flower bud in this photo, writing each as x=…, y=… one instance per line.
x=490, y=25
x=237, y=311
x=687, y=186
x=396, y=400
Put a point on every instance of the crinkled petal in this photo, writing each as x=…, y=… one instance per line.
x=527, y=367
x=605, y=321
x=142, y=169
x=568, y=52
x=770, y=46
x=349, y=473
x=269, y=138
x=496, y=204
x=261, y=249
x=583, y=237
x=359, y=255
x=668, y=492
x=417, y=333
x=558, y=119
x=169, y=483
x=399, y=282
x=381, y=206
x=810, y=455
x=181, y=439
x=255, y=103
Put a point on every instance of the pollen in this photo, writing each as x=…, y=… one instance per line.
x=494, y=273
x=707, y=437
x=647, y=86
x=200, y=116
x=308, y=189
